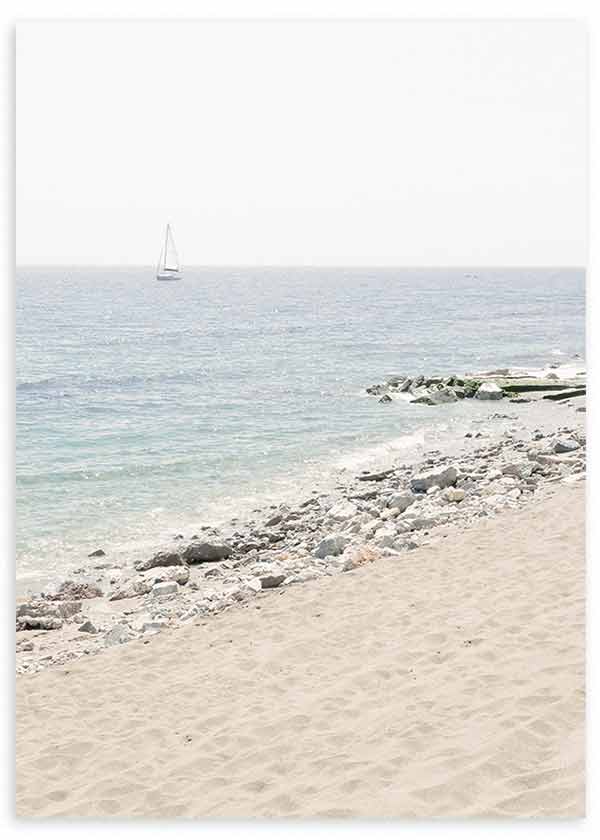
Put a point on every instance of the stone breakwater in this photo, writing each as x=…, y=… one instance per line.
x=493, y=385
x=387, y=513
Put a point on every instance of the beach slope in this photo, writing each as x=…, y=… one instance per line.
x=448, y=681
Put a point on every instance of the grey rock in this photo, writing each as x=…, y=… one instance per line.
x=72, y=591
x=207, y=552
x=118, y=635
x=163, y=558
x=272, y=580
x=400, y=501
x=331, y=546
x=442, y=478
x=489, y=391
x=87, y=627
x=565, y=445
x=97, y=553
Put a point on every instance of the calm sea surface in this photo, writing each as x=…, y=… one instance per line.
x=145, y=408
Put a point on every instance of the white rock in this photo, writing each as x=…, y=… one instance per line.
x=401, y=501
x=343, y=511
x=454, y=494
x=489, y=391
x=118, y=635
x=167, y=587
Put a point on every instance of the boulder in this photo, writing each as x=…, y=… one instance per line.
x=97, y=553
x=166, y=587
x=38, y=622
x=38, y=615
x=565, y=445
x=67, y=609
x=357, y=557
x=87, y=627
x=69, y=590
x=443, y=478
x=272, y=580
x=331, y=546
x=400, y=501
x=207, y=552
x=385, y=399
x=342, y=511
x=454, y=494
x=443, y=395
x=163, y=558
x=118, y=635
x=489, y=391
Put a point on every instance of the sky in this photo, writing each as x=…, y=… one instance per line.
x=406, y=143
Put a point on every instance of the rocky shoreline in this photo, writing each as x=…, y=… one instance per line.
x=369, y=515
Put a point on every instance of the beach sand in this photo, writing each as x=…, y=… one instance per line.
x=445, y=682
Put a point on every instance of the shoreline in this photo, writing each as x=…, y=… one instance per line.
x=430, y=684
x=364, y=518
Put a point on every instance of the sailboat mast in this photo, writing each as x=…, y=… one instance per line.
x=166, y=245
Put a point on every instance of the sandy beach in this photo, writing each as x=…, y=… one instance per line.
x=445, y=682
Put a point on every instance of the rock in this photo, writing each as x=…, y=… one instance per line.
x=118, y=635
x=97, y=553
x=423, y=399
x=87, y=627
x=167, y=587
x=343, y=511
x=67, y=609
x=454, y=494
x=401, y=501
x=565, y=445
x=385, y=399
x=72, y=591
x=489, y=391
x=358, y=557
x=272, y=580
x=131, y=589
x=274, y=520
x=38, y=622
x=154, y=626
x=331, y=546
x=380, y=476
x=552, y=376
x=581, y=408
x=207, y=552
x=444, y=395
x=163, y=558
x=38, y=615
x=443, y=478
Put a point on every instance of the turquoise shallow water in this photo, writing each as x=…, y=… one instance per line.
x=146, y=408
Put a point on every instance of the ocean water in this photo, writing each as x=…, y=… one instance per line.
x=146, y=408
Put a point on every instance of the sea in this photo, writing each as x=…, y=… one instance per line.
x=148, y=409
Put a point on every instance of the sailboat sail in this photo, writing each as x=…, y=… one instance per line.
x=168, y=263
x=171, y=259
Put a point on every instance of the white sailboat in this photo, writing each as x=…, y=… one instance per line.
x=168, y=264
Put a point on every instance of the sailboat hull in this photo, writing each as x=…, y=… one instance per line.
x=168, y=275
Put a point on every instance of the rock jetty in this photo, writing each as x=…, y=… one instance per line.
x=493, y=385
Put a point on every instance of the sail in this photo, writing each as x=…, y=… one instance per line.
x=169, y=258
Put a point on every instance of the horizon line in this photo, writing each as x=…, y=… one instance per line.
x=470, y=266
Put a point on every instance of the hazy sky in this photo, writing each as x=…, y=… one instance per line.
x=309, y=143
